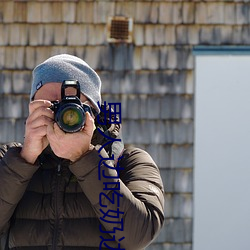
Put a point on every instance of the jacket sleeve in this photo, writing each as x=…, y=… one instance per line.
x=15, y=174
x=128, y=199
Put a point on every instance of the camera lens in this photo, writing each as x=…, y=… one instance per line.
x=70, y=117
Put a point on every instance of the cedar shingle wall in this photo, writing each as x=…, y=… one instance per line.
x=153, y=78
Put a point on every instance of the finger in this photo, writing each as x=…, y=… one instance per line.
x=40, y=131
x=41, y=111
x=36, y=132
x=89, y=124
x=54, y=133
x=50, y=131
x=39, y=121
x=58, y=131
x=39, y=103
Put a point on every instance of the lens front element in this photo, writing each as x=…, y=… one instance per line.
x=70, y=117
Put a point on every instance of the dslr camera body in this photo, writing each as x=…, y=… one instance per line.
x=70, y=112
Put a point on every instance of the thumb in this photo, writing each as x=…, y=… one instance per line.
x=89, y=124
x=50, y=129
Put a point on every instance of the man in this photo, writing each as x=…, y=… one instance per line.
x=80, y=190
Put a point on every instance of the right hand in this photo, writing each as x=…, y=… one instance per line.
x=35, y=140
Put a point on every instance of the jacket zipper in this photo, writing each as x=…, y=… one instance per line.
x=58, y=177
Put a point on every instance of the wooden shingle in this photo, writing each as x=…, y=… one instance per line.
x=102, y=10
x=182, y=156
x=85, y=12
x=21, y=82
x=60, y=34
x=34, y=12
x=159, y=35
x=188, y=11
x=138, y=34
x=150, y=58
x=170, y=12
x=19, y=130
x=68, y=12
x=215, y=13
x=182, y=206
x=133, y=106
x=170, y=35
x=6, y=84
x=137, y=58
x=124, y=8
x=142, y=85
x=77, y=34
x=8, y=54
x=168, y=205
x=4, y=37
x=7, y=131
x=193, y=34
x=182, y=132
x=156, y=131
x=128, y=83
x=96, y=34
x=153, y=107
x=183, y=180
x=172, y=62
x=143, y=12
x=35, y=34
x=164, y=152
x=168, y=178
x=12, y=106
x=48, y=34
x=48, y=12
x=154, y=12
x=149, y=34
x=245, y=34
x=226, y=34
x=206, y=35
x=30, y=55
x=201, y=13
x=116, y=82
x=180, y=230
x=20, y=12
x=19, y=57
x=189, y=82
x=182, y=34
x=229, y=13
x=7, y=11
x=242, y=13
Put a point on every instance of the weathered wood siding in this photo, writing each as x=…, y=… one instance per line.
x=153, y=77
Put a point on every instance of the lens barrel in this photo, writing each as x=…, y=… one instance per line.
x=70, y=117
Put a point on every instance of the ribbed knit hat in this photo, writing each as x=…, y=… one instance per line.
x=67, y=67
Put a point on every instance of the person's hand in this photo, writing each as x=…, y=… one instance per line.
x=71, y=146
x=35, y=140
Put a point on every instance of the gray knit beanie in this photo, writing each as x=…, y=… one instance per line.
x=67, y=67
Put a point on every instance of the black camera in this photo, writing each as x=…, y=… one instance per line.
x=70, y=112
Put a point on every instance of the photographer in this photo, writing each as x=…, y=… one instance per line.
x=80, y=188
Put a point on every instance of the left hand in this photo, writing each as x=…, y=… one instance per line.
x=71, y=146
